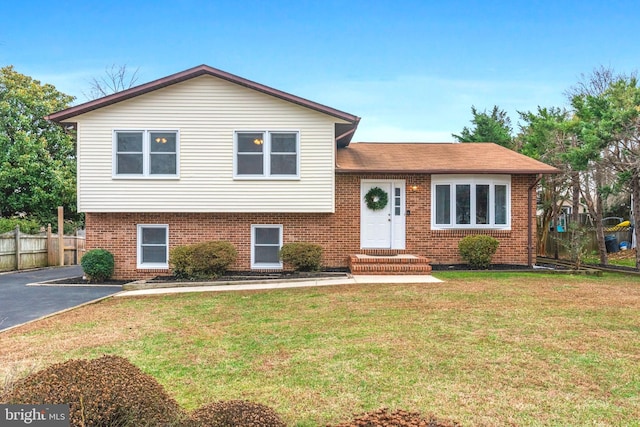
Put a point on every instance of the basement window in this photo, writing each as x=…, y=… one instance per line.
x=266, y=241
x=153, y=246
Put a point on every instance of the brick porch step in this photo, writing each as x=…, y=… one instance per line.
x=389, y=264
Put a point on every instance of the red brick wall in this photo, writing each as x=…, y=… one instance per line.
x=338, y=233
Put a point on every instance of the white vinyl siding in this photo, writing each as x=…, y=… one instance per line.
x=471, y=201
x=207, y=111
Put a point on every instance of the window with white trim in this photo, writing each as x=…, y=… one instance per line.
x=153, y=246
x=267, y=154
x=266, y=241
x=145, y=153
x=471, y=201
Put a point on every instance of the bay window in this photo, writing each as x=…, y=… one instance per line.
x=470, y=201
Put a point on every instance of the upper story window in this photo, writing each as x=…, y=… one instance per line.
x=145, y=153
x=481, y=201
x=267, y=154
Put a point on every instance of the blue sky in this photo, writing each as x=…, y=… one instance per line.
x=411, y=69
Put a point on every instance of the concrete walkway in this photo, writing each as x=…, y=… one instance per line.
x=284, y=284
x=26, y=296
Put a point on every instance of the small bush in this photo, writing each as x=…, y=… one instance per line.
x=108, y=391
x=98, y=265
x=478, y=250
x=26, y=225
x=302, y=256
x=206, y=260
x=180, y=260
x=577, y=245
x=236, y=413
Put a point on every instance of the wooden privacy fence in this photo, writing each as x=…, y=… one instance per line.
x=19, y=251
x=622, y=234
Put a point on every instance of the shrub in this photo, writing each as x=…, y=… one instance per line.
x=108, y=391
x=180, y=260
x=478, y=250
x=26, y=225
x=302, y=256
x=97, y=265
x=202, y=260
x=236, y=413
x=577, y=245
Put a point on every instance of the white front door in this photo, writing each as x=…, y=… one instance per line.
x=383, y=228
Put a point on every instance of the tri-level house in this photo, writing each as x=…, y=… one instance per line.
x=206, y=155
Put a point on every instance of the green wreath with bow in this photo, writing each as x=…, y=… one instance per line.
x=376, y=198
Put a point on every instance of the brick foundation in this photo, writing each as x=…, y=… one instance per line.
x=338, y=233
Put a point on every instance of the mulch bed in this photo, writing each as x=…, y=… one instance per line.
x=284, y=275
x=278, y=275
x=231, y=276
x=255, y=275
x=82, y=281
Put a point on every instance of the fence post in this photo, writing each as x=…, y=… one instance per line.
x=75, y=248
x=17, y=236
x=61, y=235
x=50, y=254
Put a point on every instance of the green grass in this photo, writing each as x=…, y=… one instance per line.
x=479, y=348
x=624, y=262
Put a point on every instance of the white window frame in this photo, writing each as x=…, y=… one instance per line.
x=151, y=265
x=254, y=264
x=266, y=156
x=473, y=181
x=146, y=155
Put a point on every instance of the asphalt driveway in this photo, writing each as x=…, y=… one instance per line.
x=20, y=303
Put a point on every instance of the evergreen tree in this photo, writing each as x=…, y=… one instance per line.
x=488, y=127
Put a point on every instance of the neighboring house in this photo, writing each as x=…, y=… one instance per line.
x=206, y=155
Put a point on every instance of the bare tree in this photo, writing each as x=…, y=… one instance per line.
x=596, y=83
x=116, y=78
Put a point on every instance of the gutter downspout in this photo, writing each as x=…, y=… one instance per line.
x=529, y=227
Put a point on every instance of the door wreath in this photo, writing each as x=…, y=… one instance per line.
x=376, y=198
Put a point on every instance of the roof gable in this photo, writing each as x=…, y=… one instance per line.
x=344, y=131
x=437, y=158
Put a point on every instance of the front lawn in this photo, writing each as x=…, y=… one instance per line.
x=479, y=348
